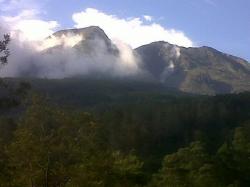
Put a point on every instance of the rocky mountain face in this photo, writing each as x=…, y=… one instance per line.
x=201, y=70
x=87, y=40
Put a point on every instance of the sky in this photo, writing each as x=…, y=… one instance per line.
x=221, y=24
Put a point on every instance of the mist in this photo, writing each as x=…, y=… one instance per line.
x=68, y=56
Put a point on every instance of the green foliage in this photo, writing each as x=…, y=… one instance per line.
x=123, y=139
x=190, y=166
x=194, y=166
x=234, y=157
x=55, y=147
x=136, y=126
x=7, y=127
x=110, y=168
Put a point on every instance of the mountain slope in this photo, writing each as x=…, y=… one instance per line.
x=201, y=70
x=87, y=40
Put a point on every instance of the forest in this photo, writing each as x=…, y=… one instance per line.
x=157, y=140
x=120, y=138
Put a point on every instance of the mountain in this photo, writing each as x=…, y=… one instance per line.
x=202, y=70
x=87, y=40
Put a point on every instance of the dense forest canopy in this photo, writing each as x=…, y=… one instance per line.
x=157, y=141
x=122, y=138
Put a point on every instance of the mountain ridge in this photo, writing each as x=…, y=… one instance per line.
x=197, y=70
x=201, y=70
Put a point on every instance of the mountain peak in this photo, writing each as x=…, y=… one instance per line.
x=202, y=70
x=88, y=32
x=87, y=40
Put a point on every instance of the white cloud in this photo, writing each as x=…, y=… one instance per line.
x=24, y=14
x=16, y=5
x=28, y=26
x=65, y=40
x=23, y=19
x=34, y=29
x=148, y=18
x=28, y=33
x=134, y=32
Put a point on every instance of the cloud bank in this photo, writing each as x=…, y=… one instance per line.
x=56, y=57
x=27, y=26
x=68, y=55
x=134, y=32
x=64, y=59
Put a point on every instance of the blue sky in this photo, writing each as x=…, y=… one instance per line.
x=222, y=24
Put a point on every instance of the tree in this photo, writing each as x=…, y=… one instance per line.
x=4, y=51
x=7, y=128
x=49, y=145
x=190, y=166
x=11, y=94
x=60, y=148
x=234, y=157
x=109, y=169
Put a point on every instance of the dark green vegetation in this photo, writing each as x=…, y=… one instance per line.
x=121, y=134
x=83, y=132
